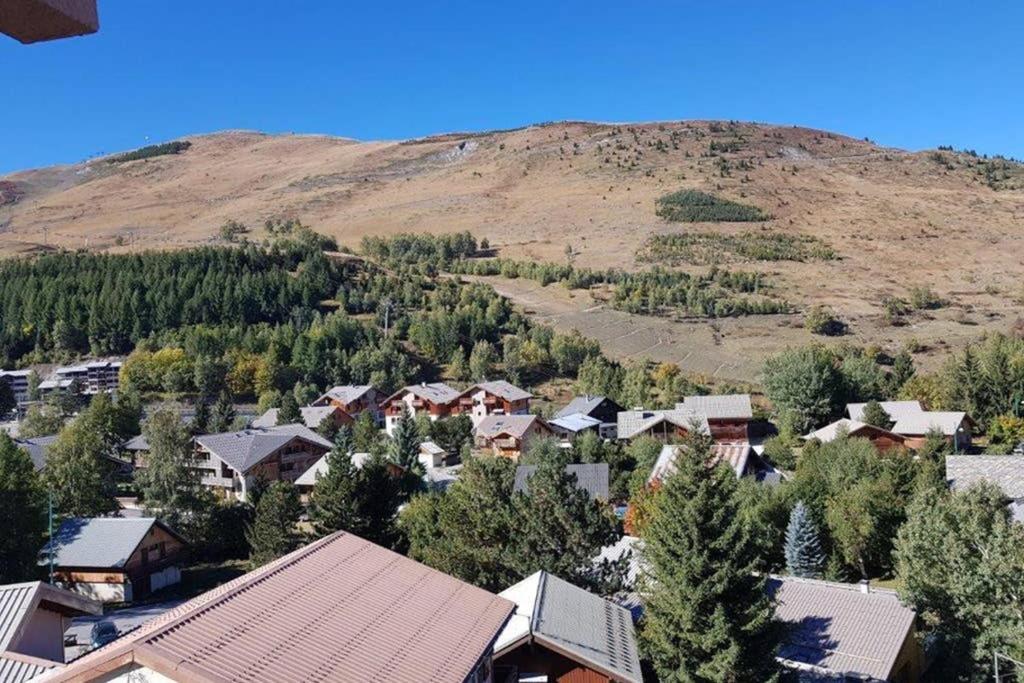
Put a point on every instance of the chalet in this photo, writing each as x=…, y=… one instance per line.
x=590, y=477
x=33, y=619
x=1005, y=471
x=312, y=416
x=664, y=425
x=560, y=632
x=354, y=400
x=882, y=439
x=729, y=415
x=115, y=559
x=894, y=409
x=954, y=426
x=600, y=408
x=492, y=398
x=509, y=435
x=739, y=456
x=845, y=631
x=570, y=427
x=232, y=462
x=340, y=609
x=433, y=400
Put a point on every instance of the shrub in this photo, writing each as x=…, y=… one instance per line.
x=693, y=206
x=824, y=321
x=707, y=247
x=923, y=298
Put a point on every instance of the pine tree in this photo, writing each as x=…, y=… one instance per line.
x=21, y=513
x=875, y=415
x=481, y=360
x=273, y=530
x=289, y=412
x=7, y=400
x=804, y=557
x=458, y=367
x=404, y=448
x=201, y=419
x=902, y=371
x=223, y=419
x=707, y=615
x=333, y=505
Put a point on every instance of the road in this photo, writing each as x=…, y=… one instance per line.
x=124, y=619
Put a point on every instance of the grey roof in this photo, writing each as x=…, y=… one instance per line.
x=580, y=404
x=922, y=423
x=513, y=425
x=830, y=432
x=506, y=390
x=97, y=542
x=37, y=448
x=346, y=394
x=591, y=477
x=18, y=601
x=436, y=392
x=576, y=623
x=246, y=448
x=719, y=406
x=322, y=466
x=736, y=455
x=136, y=443
x=16, y=668
x=634, y=422
x=895, y=409
x=312, y=416
x=575, y=422
x=1005, y=471
x=628, y=597
x=840, y=629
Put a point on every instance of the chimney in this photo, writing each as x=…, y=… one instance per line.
x=865, y=586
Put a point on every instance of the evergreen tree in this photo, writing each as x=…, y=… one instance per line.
x=458, y=366
x=481, y=360
x=202, y=417
x=333, y=504
x=707, y=615
x=273, y=531
x=22, y=513
x=804, y=557
x=875, y=415
x=404, y=448
x=380, y=495
x=7, y=400
x=223, y=418
x=289, y=412
x=902, y=371
x=169, y=484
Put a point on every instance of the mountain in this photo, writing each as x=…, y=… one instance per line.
x=895, y=220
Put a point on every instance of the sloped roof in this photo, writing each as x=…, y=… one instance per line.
x=1005, y=471
x=840, y=629
x=246, y=448
x=591, y=477
x=438, y=393
x=632, y=423
x=18, y=601
x=340, y=609
x=922, y=423
x=98, y=542
x=18, y=668
x=576, y=623
x=136, y=443
x=347, y=393
x=575, y=422
x=830, y=432
x=321, y=467
x=736, y=455
x=312, y=416
x=895, y=409
x=513, y=425
x=506, y=390
x=720, y=406
x=628, y=597
x=37, y=448
x=582, y=404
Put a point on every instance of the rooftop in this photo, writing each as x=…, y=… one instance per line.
x=632, y=423
x=312, y=416
x=341, y=610
x=839, y=628
x=592, y=478
x=37, y=448
x=511, y=425
x=575, y=422
x=719, y=406
x=18, y=601
x=1005, y=471
x=736, y=455
x=347, y=393
x=437, y=392
x=895, y=409
x=581, y=404
x=246, y=448
x=830, y=432
x=97, y=542
x=321, y=467
x=506, y=390
x=576, y=623
x=921, y=423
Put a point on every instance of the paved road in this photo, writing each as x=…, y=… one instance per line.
x=124, y=619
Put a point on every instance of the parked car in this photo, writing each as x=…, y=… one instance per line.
x=103, y=632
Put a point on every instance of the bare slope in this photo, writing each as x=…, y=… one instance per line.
x=896, y=219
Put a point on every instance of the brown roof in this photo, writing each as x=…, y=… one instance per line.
x=340, y=609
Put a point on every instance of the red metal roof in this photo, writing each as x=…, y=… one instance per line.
x=341, y=609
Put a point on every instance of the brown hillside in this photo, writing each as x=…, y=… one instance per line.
x=896, y=219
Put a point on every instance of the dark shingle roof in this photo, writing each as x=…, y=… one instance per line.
x=581, y=404
x=506, y=390
x=312, y=416
x=840, y=629
x=585, y=627
x=720, y=406
x=340, y=609
x=1005, y=471
x=97, y=542
x=37, y=448
x=513, y=425
x=246, y=448
x=591, y=477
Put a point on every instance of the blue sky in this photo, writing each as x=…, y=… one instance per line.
x=907, y=74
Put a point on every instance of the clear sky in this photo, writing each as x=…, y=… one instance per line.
x=907, y=74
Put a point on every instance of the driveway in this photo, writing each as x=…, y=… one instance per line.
x=124, y=619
